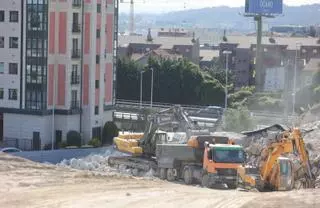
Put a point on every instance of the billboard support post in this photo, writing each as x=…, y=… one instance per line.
x=259, y=54
x=258, y=9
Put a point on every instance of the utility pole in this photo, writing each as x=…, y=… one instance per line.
x=258, y=69
x=141, y=85
x=151, y=88
x=295, y=80
x=227, y=53
x=53, y=108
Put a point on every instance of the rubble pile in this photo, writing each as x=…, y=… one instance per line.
x=99, y=163
x=312, y=140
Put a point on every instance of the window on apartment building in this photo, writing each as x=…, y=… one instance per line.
x=13, y=94
x=1, y=16
x=97, y=59
x=1, y=93
x=1, y=42
x=98, y=33
x=1, y=67
x=97, y=84
x=96, y=110
x=13, y=42
x=99, y=8
x=13, y=68
x=14, y=16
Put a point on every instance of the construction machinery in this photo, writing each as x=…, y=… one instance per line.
x=142, y=147
x=208, y=160
x=283, y=164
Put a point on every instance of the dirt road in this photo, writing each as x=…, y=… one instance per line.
x=27, y=184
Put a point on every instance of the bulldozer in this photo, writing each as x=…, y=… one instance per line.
x=283, y=165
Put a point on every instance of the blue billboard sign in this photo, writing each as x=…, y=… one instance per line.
x=264, y=6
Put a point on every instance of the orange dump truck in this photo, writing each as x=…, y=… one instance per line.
x=202, y=160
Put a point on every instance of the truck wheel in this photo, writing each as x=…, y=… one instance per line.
x=187, y=176
x=163, y=173
x=205, y=181
x=170, y=175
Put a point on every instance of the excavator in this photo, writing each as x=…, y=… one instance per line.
x=142, y=147
x=284, y=164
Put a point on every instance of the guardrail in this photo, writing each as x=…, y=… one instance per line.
x=145, y=104
x=133, y=104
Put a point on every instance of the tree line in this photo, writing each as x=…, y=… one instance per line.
x=175, y=81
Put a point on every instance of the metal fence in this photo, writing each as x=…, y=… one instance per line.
x=23, y=144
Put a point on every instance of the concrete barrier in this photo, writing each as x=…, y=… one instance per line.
x=56, y=156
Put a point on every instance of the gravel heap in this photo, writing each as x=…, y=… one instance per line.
x=99, y=163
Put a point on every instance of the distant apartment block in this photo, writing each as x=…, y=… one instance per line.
x=279, y=55
x=56, y=56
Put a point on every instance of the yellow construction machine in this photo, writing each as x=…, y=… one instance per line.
x=142, y=147
x=284, y=164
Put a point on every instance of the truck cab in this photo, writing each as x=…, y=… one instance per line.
x=220, y=164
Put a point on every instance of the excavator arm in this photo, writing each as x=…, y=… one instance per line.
x=172, y=119
x=272, y=163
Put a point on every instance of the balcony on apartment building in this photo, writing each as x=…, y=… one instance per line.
x=75, y=78
x=75, y=105
x=76, y=3
x=76, y=27
x=75, y=53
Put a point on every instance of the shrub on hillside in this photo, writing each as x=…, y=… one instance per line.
x=73, y=138
x=95, y=142
x=110, y=130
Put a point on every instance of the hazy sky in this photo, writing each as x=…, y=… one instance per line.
x=159, y=6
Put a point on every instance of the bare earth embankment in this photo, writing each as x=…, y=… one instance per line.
x=27, y=184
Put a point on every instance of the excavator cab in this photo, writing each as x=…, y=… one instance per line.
x=286, y=177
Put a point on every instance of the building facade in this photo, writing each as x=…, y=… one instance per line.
x=59, y=54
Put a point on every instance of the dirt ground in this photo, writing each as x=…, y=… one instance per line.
x=27, y=184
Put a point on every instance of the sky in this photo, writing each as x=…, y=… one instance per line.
x=162, y=6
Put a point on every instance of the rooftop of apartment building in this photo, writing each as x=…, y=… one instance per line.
x=165, y=42
x=289, y=42
x=165, y=53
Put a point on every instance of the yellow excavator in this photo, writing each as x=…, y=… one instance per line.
x=141, y=147
x=284, y=164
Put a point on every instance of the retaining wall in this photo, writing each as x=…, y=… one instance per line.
x=56, y=156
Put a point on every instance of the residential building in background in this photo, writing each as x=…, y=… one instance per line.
x=174, y=32
x=136, y=46
x=56, y=54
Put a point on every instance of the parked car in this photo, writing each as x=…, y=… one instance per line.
x=10, y=149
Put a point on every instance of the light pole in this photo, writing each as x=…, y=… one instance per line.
x=295, y=80
x=226, y=87
x=141, y=79
x=151, y=88
x=53, y=107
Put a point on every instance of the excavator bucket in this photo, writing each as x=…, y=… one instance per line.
x=249, y=179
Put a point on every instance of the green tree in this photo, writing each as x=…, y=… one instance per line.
x=175, y=81
x=316, y=78
x=110, y=130
x=237, y=120
x=73, y=138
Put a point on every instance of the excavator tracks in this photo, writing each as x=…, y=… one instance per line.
x=138, y=163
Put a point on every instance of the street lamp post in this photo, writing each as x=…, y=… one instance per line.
x=226, y=87
x=151, y=96
x=141, y=82
x=295, y=79
x=53, y=108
